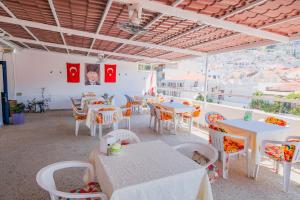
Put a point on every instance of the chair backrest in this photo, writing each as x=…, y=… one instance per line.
x=89, y=94
x=212, y=117
x=45, y=179
x=129, y=98
x=162, y=114
x=296, y=140
x=109, y=116
x=151, y=107
x=123, y=134
x=217, y=139
x=119, y=100
x=206, y=150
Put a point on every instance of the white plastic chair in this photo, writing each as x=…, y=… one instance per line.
x=206, y=150
x=126, y=115
x=152, y=114
x=287, y=165
x=123, y=134
x=79, y=116
x=46, y=181
x=119, y=100
x=217, y=141
x=110, y=117
x=160, y=122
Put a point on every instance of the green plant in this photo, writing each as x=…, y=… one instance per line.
x=200, y=97
x=19, y=108
x=258, y=93
x=295, y=110
x=293, y=95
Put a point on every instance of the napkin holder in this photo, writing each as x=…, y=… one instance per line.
x=105, y=141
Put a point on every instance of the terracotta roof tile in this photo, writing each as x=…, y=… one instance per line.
x=15, y=30
x=32, y=10
x=47, y=36
x=78, y=41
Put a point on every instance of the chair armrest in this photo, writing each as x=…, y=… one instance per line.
x=292, y=137
x=79, y=195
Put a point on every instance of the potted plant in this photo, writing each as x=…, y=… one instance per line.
x=18, y=113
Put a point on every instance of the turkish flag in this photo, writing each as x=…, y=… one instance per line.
x=110, y=73
x=73, y=72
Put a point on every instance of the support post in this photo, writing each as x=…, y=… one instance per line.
x=205, y=89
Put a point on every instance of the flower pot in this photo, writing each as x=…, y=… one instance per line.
x=18, y=118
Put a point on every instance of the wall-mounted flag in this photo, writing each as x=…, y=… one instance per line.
x=110, y=73
x=73, y=72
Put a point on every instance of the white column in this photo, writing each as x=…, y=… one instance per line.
x=205, y=90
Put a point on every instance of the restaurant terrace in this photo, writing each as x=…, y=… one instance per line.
x=84, y=114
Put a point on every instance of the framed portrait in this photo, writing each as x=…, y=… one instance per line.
x=92, y=74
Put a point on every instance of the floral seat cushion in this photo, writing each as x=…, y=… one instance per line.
x=79, y=117
x=92, y=187
x=280, y=152
x=98, y=103
x=213, y=117
x=127, y=112
x=274, y=120
x=232, y=146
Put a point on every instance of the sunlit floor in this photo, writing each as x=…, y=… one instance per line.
x=49, y=137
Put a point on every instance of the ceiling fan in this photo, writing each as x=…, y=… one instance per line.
x=135, y=15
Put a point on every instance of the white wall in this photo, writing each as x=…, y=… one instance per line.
x=32, y=72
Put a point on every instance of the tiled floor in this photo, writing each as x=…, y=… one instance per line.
x=49, y=137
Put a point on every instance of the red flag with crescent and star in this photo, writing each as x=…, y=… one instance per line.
x=110, y=73
x=73, y=72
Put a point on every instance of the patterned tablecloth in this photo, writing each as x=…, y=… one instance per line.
x=151, y=171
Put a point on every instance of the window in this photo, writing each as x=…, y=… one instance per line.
x=144, y=67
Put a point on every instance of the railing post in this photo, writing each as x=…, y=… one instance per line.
x=205, y=90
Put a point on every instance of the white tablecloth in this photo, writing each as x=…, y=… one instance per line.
x=256, y=132
x=151, y=171
x=177, y=107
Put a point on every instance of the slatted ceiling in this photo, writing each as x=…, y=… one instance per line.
x=3, y=13
x=35, y=46
x=204, y=35
x=237, y=40
x=214, y=8
x=131, y=49
x=290, y=28
x=78, y=52
x=78, y=41
x=83, y=15
x=269, y=12
x=15, y=30
x=124, y=59
x=117, y=13
x=47, y=36
x=32, y=10
x=19, y=44
x=172, y=56
x=153, y=53
x=164, y=28
x=105, y=45
x=55, y=49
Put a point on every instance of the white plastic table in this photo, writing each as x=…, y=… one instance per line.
x=256, y=132
x=177, y=107
x=151, y=171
